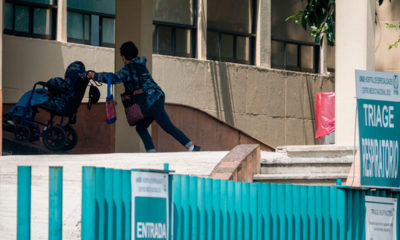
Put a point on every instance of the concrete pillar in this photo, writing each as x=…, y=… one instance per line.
x=323, y=59
x=263, y=38
x=201, y=29
x=62, y=20
x=355, y=49
x=133, y=22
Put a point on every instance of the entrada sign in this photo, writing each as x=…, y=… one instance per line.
x=149, y=205
x=378, y=105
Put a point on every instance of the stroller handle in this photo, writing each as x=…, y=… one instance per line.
x=44, y=84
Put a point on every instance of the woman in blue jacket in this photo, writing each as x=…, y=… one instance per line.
x=155, y=97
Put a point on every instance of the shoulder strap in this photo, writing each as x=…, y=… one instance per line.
x=137, y=74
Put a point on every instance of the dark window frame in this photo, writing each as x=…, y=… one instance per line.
x=90, y=13
x=235, y=35
x=299, y=44
x=252, y=36
x=31, y=6
x=174, y=26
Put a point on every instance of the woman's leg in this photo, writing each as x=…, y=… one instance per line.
x=141, y=129
x=162, y=118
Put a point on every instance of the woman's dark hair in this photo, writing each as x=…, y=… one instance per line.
x=129, y=50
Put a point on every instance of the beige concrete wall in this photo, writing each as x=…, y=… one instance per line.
x=28, y=60
x=274, y=106
x=387, y=60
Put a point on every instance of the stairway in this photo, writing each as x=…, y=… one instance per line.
x=306, y=165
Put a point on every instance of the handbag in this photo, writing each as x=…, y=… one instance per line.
x=134, y=102
x=111, y=115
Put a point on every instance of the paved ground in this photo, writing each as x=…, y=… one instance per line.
x=197, y=163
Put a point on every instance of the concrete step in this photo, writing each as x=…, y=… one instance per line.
x=314, y=168
x=301, y=178
x=318, y=164
x=336, y=151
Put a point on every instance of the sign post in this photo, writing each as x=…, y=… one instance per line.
x=378, y=106
x=150, y=205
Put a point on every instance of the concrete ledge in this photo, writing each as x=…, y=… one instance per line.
x=300, y=176
x=240, y=164
x=314, y=148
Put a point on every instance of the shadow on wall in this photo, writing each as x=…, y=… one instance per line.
x=311, y=101
x=203, y=129
x=222, y=91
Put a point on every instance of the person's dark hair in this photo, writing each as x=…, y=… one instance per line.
x=129, y=50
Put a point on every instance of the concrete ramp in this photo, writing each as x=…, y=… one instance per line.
x=204, y=129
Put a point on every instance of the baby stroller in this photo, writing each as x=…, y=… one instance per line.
x=63, y=102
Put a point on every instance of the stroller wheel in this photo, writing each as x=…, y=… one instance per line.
x=72, y=138
x=22, y=133
x=54, y=138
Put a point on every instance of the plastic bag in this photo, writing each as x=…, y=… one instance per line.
x=324, y=113
x=111, y=115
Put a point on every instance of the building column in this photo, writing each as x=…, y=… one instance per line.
x=62, y=20
x=263, y=37
x=355, y=49
x=201, y=30
x=133, y=22
x=323, y=56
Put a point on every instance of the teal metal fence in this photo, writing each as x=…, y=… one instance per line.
x=218, y=209
x=204, y=208
x=24, y=203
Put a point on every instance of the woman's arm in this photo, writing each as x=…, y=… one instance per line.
x=117, y=77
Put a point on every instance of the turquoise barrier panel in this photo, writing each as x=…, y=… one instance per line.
x=219, y=209
x=24, y=203
x=126, y=204
x=117, y=203
x=100, y=204
x=88, y=203
x=55, y=202
x=109, y=208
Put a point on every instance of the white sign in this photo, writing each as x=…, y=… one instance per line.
x=380, y=218
x=149, y=205
x=377, y=86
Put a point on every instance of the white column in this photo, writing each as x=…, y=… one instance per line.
x=263, y=38
x=201, y=29
x=354, y=50
x=133, y=22
x=62, y=20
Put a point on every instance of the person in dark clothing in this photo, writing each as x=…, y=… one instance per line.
x=155, y=97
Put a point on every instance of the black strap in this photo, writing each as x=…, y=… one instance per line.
x=137, y=74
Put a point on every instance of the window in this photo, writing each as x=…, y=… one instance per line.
x=231, y=33
x=31, y=18
x=295, y=55
x=174, y=27
x=91, y=22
